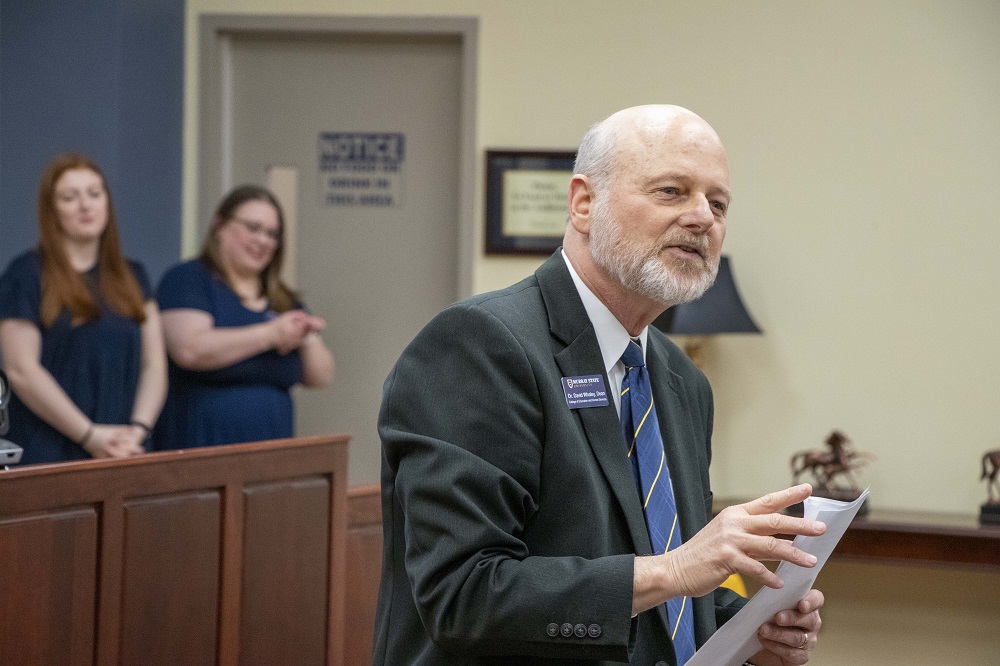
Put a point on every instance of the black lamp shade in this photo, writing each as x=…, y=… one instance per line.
x=719, y=310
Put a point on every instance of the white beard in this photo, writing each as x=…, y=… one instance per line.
x=640, y=270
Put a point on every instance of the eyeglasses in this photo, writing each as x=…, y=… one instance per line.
x=257, y=229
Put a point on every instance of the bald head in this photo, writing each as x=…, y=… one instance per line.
x=630, y=133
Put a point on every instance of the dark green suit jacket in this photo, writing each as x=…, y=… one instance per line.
x=511, y=521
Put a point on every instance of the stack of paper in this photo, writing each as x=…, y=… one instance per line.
x=736, y=641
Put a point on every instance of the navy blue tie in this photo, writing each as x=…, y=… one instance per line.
x=649, y=463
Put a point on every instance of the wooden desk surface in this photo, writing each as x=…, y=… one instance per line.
x=917, y=537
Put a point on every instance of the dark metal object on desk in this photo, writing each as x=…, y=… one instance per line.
x=719, y=310
x=10, y=453
x=4, y=399
x=989, y=513
x=838, y=461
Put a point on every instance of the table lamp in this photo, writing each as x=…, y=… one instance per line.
x=719, y=310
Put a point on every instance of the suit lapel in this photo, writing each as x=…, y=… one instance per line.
x=604, y=435
x=569, y=323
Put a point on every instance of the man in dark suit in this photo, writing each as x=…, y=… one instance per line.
x=515, y=532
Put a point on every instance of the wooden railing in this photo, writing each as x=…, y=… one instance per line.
x=223, y=555
x=364, y=567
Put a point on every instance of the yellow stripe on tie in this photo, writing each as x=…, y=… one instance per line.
x=671, y=537
x=626, y=390
x=662, y=457
x=639, y=427
x=679, y=616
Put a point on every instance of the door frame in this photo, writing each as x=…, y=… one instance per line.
x=215, y=95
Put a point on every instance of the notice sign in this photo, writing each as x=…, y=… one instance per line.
x=361, y=169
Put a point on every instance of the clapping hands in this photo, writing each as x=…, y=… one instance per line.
x=293, y=327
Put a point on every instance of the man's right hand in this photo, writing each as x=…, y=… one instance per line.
x=738, y=540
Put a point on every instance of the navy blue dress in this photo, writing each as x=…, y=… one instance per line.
x=245, y=402
x=97, y=363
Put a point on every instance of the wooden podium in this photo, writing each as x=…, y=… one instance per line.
x=222, y=555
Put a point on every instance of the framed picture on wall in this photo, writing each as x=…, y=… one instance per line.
x=526, y=200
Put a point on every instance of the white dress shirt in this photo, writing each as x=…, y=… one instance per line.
x=611, y=335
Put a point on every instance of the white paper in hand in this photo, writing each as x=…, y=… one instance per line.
x=736, y=641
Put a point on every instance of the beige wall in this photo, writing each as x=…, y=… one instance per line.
x=864, y=140
x=865, y=148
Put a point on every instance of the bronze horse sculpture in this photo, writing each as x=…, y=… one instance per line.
x=825, y=465
x=992, y=458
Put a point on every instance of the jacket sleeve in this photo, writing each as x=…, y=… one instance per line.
x=463, y=436
x=727, y=604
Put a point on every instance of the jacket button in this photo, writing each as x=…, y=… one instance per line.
x=594, y=631
x=552, y=630
x=580, y=631
x=566, y=630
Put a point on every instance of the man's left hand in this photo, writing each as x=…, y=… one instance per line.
x=789, y=638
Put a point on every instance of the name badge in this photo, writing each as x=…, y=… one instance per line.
x=586, y=391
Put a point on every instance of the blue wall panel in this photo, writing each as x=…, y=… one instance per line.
x=103, y=77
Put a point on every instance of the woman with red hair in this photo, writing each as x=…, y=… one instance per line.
x=80, y=329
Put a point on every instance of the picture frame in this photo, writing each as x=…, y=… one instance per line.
x=526, y=200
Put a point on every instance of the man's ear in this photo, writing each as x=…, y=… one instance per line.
x=581, y=199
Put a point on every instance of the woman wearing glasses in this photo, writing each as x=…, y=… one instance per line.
x=79, y=328
x=238, y=338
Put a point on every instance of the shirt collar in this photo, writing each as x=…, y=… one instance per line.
x=611, y=335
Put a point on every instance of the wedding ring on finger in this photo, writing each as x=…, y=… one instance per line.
x=805, y=640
